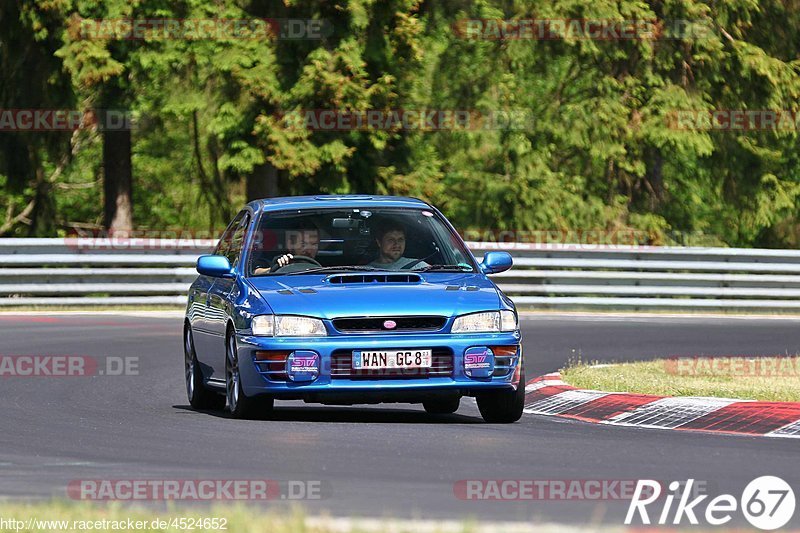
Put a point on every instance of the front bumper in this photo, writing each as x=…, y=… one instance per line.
x=366, y=389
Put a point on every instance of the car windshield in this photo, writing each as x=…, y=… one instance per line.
x=355, y=239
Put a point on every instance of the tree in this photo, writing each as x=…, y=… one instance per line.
x=589, y=142
x=101, y=63
x=30, y=161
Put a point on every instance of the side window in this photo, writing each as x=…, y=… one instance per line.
x=237, y=240
x=224, y=245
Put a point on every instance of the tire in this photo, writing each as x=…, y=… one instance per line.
x=503, y=407
x=442, y=406
x=240, y=405
x=200, y=396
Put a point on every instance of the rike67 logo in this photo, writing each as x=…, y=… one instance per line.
x=768, y=502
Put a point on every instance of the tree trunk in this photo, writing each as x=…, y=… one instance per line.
x=262, y=182
x=655, y=177
x=43, y=216
x=118, y=180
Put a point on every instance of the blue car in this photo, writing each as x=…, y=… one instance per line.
x=342, y=300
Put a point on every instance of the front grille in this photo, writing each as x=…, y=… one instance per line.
x=403, y=323
x=342, y=367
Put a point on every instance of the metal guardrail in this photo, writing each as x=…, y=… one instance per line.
x=545, y=276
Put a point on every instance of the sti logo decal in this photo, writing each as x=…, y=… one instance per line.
x=304, y=363
x=476, y=361
x=479, y=362
x=303, y=366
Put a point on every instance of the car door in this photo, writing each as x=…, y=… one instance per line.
x=219, y=301
x=204, y=335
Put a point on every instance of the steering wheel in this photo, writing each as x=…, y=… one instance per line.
x=418, y=261
x=296, y=259
x=412, y=264
x=305, y=259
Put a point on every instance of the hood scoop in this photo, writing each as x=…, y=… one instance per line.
x=349, y=279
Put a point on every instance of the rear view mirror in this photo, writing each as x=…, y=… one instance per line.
x=346, y=223
x=496, y=262
x=216, y=266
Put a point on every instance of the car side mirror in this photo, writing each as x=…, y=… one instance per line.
x=496, y=262
x=216, y=266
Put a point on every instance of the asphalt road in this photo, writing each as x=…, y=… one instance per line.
x=390, y=460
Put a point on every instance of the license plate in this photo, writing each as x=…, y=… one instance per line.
x=392, y=359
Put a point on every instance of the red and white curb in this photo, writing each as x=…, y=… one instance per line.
x=549, y=395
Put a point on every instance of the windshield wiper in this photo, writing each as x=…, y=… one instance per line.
x=461, y=267
x=333, y=269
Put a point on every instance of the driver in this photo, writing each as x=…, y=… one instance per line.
x=391, y=239
x=303, y=241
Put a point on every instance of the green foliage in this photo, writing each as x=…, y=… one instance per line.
x=595, y=146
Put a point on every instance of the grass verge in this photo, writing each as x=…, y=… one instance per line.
x=774, y=379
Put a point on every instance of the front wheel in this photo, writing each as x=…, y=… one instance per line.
x=503, y=406
x=239, y=405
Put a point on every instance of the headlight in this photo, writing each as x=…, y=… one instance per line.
x=477, y=322
x=488, y=322
x=288, y=326
x=264, y=325
x=508, y=321
x=299, y=326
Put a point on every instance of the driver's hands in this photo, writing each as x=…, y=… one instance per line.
x=281, y=262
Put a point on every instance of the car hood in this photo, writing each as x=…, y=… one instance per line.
x=441, y=294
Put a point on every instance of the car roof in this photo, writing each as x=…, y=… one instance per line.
x=335, y=200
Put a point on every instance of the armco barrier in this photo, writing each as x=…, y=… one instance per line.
x=545, y=276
